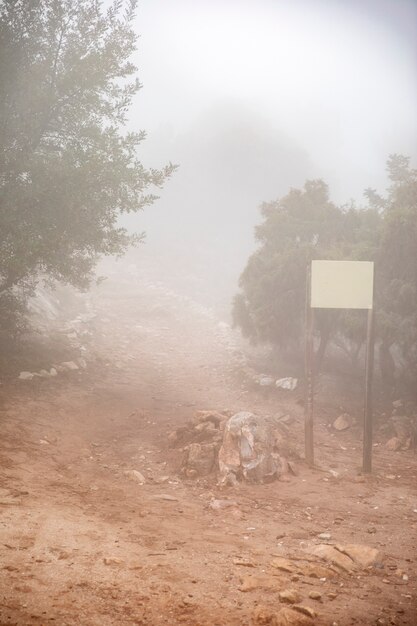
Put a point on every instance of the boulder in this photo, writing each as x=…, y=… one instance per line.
x=248, y=449
x=362, y=555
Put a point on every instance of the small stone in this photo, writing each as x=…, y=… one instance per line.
x=111, y=560
x=289, y=596
x=69, y=365
x=285, y=565
x=331, y=595
x=315, y=595
x=324, y=536
x=218, y=505
x=393, y=444
x=243, y=563
x=252, y=583
x=26, y=376
x=165, y=496
x=53, y=372
x=343, y=422
x=306, y=610
x=136, y=476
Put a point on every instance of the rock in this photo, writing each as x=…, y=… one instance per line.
x=288, y=383
x=111, y=560
x=210, y=416
x=200, y=458
x=26, y=376
x=165, y=496
x=82, y=362
x=348, y=557
x=305, y=610
x=285, y=565
x=253, y=583
x=289, y=596
x=69, y=365
x=173, y=437
x=248, y=449
x=53, y=372
x=243, y=563
x=404, y=430
x=44, y=374
x=343, y=422
x=314, y=570
x=315, y=595
x=136, y=476
x=217, y=505
x=393, y=444
x=325, y=536
x=262, y=616
x=330, y=554
x=362, y=555
x=265, y=381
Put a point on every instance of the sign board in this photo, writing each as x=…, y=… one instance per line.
x=342, y=284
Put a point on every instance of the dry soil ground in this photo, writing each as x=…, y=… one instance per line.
x=82, y=544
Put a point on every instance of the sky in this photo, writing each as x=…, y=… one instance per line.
x=251, y=97
x=338, y=77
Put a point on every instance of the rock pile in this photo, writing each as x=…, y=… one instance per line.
x=237, y=447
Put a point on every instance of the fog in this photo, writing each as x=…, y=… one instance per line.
x=251, y=98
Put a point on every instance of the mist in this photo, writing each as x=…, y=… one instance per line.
x=208, y=399
x=251, y=99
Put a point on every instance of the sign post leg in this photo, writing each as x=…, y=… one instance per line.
x=309, y=374
x=367, y=423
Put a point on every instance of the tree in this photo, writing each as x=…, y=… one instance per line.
x=68, y=168
x=305, y=225
x=397, y=282
x=302, y=226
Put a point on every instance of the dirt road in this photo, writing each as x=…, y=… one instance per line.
x=81, y=543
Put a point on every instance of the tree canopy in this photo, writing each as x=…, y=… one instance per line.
x=306, y=225
x=68, y=167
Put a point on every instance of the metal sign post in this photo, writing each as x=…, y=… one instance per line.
x=367, y=420
x=309, y=368
x=339, y=285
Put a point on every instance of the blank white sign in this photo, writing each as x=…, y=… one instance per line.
x=342, y=284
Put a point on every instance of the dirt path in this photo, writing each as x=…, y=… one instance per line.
x=82, y=543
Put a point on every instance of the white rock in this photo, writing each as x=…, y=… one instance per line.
x=324, y=536
x=70, y=365
x=26, y=376
x=265, y=381
x=53, y=372
x=288, y=383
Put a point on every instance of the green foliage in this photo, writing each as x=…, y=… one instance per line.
x=67, y=167
x=397, y=260
x=305, y=225
x=302, y=226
